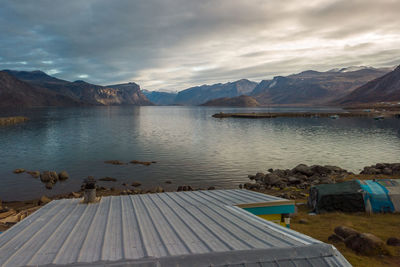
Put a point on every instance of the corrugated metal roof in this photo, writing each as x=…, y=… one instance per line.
x=163, y=229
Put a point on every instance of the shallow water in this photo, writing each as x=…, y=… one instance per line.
x=190, y=146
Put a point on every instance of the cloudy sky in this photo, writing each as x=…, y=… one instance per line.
x=175, y=44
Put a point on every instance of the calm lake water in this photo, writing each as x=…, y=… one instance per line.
x=190, y=146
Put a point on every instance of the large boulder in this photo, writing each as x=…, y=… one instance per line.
x=272, y=179
x=303, y=169
x=259, y=176
x=393, y=241
x=63, y=176
x=366, y=244
x=334, y=238
x=321, y=170
x=49, y=177
x=345, y=231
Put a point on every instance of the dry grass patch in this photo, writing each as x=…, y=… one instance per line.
x=382, y=225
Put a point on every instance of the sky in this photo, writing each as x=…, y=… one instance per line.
x=171, y=45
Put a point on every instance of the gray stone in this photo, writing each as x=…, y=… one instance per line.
x=63, y=176
x=294, y=180
x=345, y=231
x=19, y=170
x=259, y=176
x=49, y=177
x=272, y=179
x=366, y=244
x=136, y=184
x=334, y=238
x=303, y=169
x=393, y=241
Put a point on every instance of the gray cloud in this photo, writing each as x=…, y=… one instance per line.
x=174, y=44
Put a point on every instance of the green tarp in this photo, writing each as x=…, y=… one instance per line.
x=346, y=197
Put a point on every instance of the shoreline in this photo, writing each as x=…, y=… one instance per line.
x=334, y=115
x=12, y=120
x=285, y=186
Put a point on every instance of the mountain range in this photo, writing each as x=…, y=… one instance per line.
x=36, y=88
x=343, y=86
x=385, y=88
x=313, y=87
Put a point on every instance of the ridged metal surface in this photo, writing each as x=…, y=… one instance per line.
x=165, y=225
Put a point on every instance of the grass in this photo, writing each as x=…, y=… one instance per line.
x=382, y=225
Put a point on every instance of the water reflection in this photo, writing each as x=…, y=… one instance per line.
x=190, y=146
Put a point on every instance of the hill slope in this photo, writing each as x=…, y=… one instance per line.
x=81, y=91
x=160, y=98
x=313, y=87
x=201, y=94
x=16, y=93
x=382, y=89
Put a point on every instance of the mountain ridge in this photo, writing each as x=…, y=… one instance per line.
x=84, y=92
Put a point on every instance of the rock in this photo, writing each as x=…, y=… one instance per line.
x=370, y=170
x=326, y=180
x=146, y=163
x=108, y=179
x=318, y=169
x=49, y=177
x=184, y=188
x=387, y=171
x=211, y=188
x=114, y=162
x=271, y=179
x=168, y=182
x=254, y=186
x=19, y=170
x=62, y=176
x=241, y=186
x=280, y=173
x=303, y=169
x=366, y=244
x=7, y=213
x=75, y=195
x=271, y=170
x=34, y=174
x=294, y=180
x=49, y=185
x=136, y=184
x=303, y=221
x=44, y=200
x=334, y=238
x=335, y=169
x=251, y=177
x=259, y=176
x=124, y=184
x=159, y=189
x=345, y=231
x=393, y=241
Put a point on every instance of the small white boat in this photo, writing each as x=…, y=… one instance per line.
x=334, y=117
x=378, y=118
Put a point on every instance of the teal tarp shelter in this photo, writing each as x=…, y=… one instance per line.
x=354, y=196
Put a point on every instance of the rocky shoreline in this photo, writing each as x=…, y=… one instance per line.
x=286, y=183
x=295, y=183
x=333, y=115
x=12, y=120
